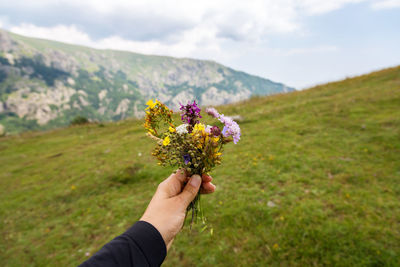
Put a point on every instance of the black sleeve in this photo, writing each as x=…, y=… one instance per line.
x=140, y=245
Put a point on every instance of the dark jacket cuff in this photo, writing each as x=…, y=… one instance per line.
x=149, y=239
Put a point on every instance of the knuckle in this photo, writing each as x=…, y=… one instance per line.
x=161, y=185
x=191, y=190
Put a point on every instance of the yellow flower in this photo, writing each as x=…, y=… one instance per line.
x=199, y=128
x=275, y=246
x=151, y=104
x=166, y=141
x=200, y=145
x=172, y=129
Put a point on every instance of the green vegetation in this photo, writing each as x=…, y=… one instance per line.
x=313, y=182
x=79, y=120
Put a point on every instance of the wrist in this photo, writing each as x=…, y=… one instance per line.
x=157, y=226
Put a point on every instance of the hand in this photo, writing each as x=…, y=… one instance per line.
x=167, y=209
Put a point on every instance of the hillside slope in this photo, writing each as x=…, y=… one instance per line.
x=314, y=181
x=45, y=84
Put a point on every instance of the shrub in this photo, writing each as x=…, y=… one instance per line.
x=79, y=120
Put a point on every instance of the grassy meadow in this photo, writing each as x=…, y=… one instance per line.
x=314, y=181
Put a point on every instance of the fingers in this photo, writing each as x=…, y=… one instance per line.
x=190, y=190
x=206, y=178
x=207, y=188
x=172, y=186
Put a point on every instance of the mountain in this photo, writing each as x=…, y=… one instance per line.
x=314, y=181
x=45, y=84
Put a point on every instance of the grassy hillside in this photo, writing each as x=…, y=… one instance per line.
x=314, y=181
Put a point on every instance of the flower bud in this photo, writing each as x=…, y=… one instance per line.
x=215, y=130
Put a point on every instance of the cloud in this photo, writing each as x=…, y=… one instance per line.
x=98, y=19
x=318, y=7
x=67, y=34
x=384, y=4
x=197, y=40
x=164, y=20
x=202, y=29
x=167, y=21
x=269, y=38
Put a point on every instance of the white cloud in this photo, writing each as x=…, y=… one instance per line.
x=207, y=24
x=67, y=34
x=384, y=4
x=317, y=7
x=236, y=19
x=200, y=38
x=219, y=30
x=235, y=32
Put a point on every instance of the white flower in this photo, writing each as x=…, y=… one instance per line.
x=208, y=129
x=181, y=129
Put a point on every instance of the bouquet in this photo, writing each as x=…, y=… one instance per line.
x=192, y=145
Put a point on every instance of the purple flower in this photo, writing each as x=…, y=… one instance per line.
x=190, y=114
x=187, y=158
x=212, y=112
x=231, y=128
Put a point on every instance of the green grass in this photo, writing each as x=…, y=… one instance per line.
x=327, y=157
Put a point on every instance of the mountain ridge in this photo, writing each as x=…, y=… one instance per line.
x=45, y=84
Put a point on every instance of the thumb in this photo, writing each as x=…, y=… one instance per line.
x=190, y=191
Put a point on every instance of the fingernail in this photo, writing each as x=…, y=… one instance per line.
x=195, y=181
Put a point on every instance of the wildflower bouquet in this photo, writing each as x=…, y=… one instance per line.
x=191, y=146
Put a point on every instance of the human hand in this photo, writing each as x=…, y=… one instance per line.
x=167, y=209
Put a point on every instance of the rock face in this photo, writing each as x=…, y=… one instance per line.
x=213, y=96
x=123, y=108
x=44, y=85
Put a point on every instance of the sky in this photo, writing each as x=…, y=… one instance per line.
x=300, y=43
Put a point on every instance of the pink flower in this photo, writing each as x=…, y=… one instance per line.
x=212, y=112
x=231, y=128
